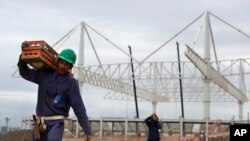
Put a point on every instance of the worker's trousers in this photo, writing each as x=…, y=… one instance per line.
x=54, y=131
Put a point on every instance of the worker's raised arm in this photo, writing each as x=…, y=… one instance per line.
x=26, y=72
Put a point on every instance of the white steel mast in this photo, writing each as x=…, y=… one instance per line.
x=241, y=88
x=206, y=96
x=80, y=63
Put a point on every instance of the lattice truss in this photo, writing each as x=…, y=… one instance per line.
x=158, y=81
x=162, y=80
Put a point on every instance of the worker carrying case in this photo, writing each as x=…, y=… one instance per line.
x=39, y=54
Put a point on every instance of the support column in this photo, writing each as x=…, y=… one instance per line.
x=206, y=96
x=181, y=126
x=126, y=128
x=206, y=132
x=80, y=57
x=154, y=103
x=241, y=88
x=240, y=104
x=100, y=136
x=80, y=62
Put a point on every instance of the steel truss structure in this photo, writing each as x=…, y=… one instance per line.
x=159, y=81
x=162, y=78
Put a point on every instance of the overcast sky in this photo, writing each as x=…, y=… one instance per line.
x=143, y=24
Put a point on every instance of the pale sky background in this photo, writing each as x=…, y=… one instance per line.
x=143, y=24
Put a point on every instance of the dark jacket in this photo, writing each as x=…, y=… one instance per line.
x=56, y=94
x=153, y=128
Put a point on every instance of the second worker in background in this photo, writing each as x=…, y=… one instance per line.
x=153, y=127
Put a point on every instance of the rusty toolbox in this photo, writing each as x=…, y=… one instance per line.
x=39, y=54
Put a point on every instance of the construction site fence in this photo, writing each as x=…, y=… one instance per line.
x=135, y=129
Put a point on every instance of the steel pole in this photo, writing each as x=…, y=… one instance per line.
x=180, y=81
x=134, y=86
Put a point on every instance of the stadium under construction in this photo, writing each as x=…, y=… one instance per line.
x=199, y=78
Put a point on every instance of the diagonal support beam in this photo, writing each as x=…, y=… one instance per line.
x=208, y=71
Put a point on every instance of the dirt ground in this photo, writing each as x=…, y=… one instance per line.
x=122, y=138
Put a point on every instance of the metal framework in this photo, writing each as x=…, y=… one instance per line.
x=127, y=126
x=159, y=81
x=162, y=78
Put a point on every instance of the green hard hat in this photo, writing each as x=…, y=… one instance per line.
x=68, y=55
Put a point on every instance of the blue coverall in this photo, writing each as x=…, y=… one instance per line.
x=56, y=94
x=153, y=128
